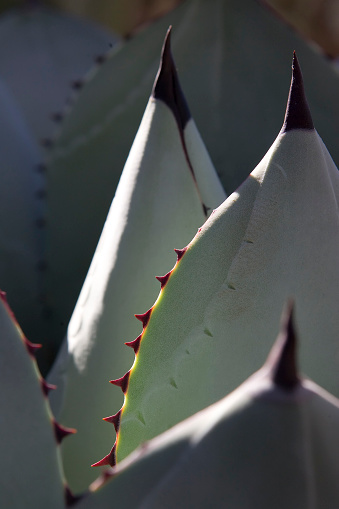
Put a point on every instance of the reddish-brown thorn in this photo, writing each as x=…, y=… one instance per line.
x=61, y=432
x=46, y=388
x=163, y=279
x=180, y=253
x=109, y=460
x=114, y=419
x=135, y=344
x=122, y=382
x=144, y=318
x=71, y=499
x=282, y=358
x=32, y=348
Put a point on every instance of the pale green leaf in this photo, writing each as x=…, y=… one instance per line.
x=158, y=206
x=273, y=442
x=21, y=213
x=31, y=475
x=233, y=59
x=277, y=236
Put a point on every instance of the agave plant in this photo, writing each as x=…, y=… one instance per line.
x=265, y=445
x=210, y=327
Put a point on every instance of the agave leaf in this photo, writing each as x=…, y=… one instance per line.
x=85, y=153
x=167, y=187
x=22, y=211
x=234, y=55
x=273, y=442
x=41, y=53
x=29, y=461
x=269, y=240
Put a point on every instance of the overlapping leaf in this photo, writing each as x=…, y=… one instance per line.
x=233, y=60
x=21, y=212
x=274, y=442
x=269, y=240
x=31, y=474
x=166, y=190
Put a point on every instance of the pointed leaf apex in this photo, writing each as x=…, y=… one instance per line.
x=144, y=318
x=122, y=382
x=298, y=115
x=282, y=360
x=109, y=460
x=167, y=87
x=62, y=432
x=135, y=344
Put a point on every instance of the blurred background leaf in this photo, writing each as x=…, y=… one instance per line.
x=316, y=20
x=42, y=52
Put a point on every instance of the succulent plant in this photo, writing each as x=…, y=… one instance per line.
x=218, y=309
x=257, y=249
x=267, y=444
x=168, y=156
x=216, y=63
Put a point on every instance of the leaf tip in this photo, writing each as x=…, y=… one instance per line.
x=282, y=361
x=180, y=253
x=298, y=115
x=167, y=87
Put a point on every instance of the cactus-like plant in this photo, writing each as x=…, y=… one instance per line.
x=258, y=248
x=212, y=323
x=268, y=444
x=168, y=157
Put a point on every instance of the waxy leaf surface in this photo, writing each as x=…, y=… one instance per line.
x=30, y=466
x=166, y=189
x=273, y=442
x=233, y=60
x=267, y=242
x=21, y=211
